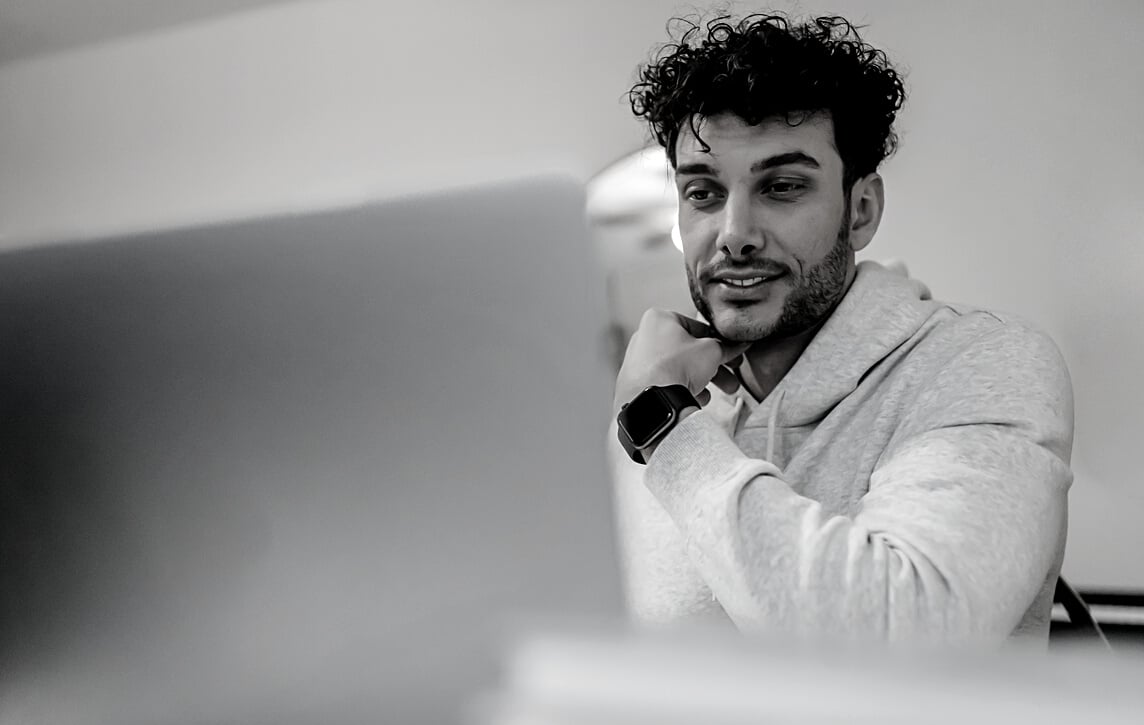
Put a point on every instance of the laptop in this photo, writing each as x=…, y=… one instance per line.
x=301, y=469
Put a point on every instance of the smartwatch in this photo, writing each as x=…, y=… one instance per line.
x=650, y=416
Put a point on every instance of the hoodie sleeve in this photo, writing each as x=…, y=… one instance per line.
x=960, y=527
x=660, y=583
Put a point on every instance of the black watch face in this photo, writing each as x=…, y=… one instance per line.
x=646, y=417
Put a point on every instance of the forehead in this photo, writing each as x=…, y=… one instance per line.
x=731, y=138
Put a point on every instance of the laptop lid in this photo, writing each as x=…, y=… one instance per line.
x=302, y=468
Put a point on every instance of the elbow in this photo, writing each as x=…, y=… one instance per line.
x=890, y=593
x=925, y=605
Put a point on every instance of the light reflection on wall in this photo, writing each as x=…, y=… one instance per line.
x=633, y=214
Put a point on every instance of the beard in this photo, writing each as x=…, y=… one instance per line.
x=814, y=295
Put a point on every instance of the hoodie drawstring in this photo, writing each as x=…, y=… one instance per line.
x=772, y=424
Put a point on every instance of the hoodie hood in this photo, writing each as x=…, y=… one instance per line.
x=881, y=311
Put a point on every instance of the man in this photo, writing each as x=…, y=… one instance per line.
x=833, y=453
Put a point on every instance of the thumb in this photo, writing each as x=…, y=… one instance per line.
x=730, y=351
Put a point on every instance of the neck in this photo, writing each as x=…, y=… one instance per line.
x=766, y=362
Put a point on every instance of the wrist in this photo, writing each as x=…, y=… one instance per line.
x=627, y=392
x=650, y=416
x=683, y=415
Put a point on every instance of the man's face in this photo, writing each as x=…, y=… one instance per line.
x=764, y=223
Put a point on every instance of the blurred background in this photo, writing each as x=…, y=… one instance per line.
x=1017, y=184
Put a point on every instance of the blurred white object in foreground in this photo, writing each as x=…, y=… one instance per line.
x=564, y=679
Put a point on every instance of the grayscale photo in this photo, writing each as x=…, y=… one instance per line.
x=553, y=362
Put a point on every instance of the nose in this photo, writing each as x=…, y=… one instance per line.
x=738, y=237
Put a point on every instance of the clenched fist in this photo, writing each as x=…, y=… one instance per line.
x=670, y=349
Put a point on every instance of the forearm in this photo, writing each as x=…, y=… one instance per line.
x=661, y=584
x=776, y=561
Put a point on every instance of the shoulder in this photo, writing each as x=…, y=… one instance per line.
x=997, y=369
x=984, y=341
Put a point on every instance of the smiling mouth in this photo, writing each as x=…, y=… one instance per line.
x=746, y=283
x=752, y=282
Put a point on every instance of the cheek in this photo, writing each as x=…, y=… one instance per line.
x=695, y=250
x=807, y=239
x=692, y=255
x=698, y=235
x=692, y=265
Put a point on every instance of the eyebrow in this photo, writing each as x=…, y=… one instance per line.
x=792, y=157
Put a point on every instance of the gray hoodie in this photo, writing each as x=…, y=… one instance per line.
x=907, y=480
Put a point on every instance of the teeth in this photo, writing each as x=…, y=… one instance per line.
x=744, y=282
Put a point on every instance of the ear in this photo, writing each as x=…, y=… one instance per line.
x=867, y=200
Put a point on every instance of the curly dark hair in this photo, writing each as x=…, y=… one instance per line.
x=765, y=66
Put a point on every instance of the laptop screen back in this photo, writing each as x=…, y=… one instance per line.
x=301, y=467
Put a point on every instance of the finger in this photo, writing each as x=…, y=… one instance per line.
x=731, y=353
x=715, y=354
x=695, y=328
x=726, y=380
x=704, y=397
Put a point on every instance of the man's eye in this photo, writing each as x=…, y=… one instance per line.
x=784, y=188
x=701, y=196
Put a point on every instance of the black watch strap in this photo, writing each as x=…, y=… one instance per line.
x=679, y=397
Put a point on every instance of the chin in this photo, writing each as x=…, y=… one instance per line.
x=740, y=326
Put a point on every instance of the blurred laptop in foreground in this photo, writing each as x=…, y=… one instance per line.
x=300, y=469
x=562, y=676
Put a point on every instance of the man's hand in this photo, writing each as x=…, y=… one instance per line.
x=670, y=349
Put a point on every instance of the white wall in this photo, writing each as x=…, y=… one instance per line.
x=308, y=104
x=1017, y=185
